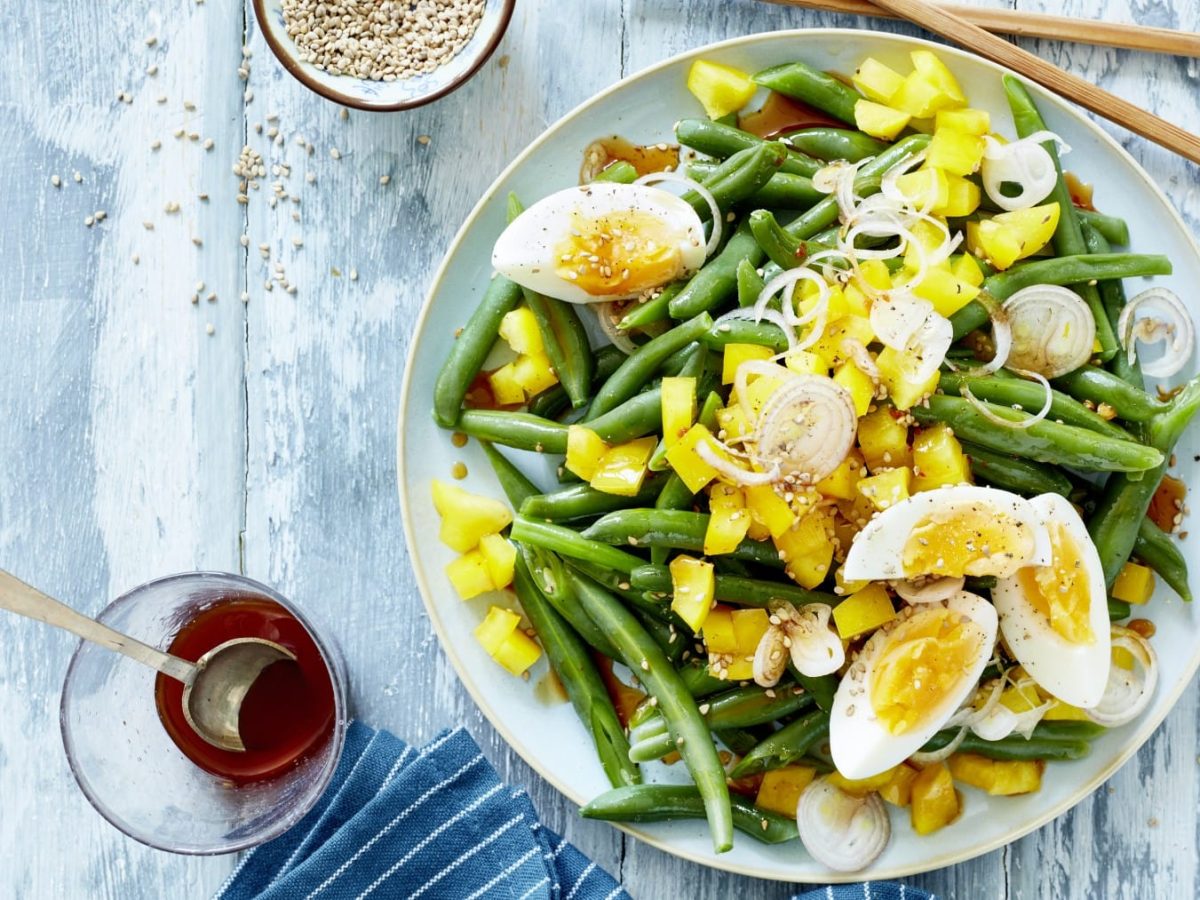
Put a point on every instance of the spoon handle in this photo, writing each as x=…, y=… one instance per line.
x=16, y=596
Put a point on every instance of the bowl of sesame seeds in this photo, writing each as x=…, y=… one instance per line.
x=383, y=55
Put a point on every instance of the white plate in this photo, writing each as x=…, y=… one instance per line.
x=644, y=108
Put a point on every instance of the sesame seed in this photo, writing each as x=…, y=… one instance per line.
x=56, y=181
x=385, y=179
x=78, y=178
x=210, y=329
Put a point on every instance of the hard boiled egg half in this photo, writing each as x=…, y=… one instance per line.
x=601, y=242
x=910, y=677
x=950, y=531
x=1054, y=617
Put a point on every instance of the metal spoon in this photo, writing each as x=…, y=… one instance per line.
x=213, y=687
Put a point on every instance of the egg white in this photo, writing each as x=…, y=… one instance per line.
x=1074, y=673
x=877, y=551
x=525, y=250
x=860, y=744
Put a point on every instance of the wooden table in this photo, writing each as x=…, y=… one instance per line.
x=135, y=443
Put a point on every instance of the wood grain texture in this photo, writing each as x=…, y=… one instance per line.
x=135, y=444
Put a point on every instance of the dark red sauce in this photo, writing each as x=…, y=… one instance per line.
x=289, y=711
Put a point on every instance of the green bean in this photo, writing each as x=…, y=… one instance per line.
x=1076, y=271
x=554, y=400
x=638, y=368
x=1159, y=550
x=1112, y=298
x=972, y=316
x=830, y=144
x=812, y=86
x=1030, y=396
x=749, y=285
x=1118, y=610
x=718, y=279
x=570, y=660
x=724, y=141
x=785, y=746
x=582, y=501
x=667, y=638
x=668, y=802
x=739, y=740
x=1015, y=474
x=1112, y=228
x=552, y=579
x=781, y=247
x=739, y=177
x=1098, y=385
x=692, y=739
x=649, y=312
x=1117, y=519
x=783, y=190
x=675, y=528
x=567, y=542
x=820, y=687
x=698, y=681
x=674, y=495
x=1044, y=441
x=618, y=172
x=514, y=429
x=517, y=488
x=636, y=417
x=1050, y=740
x=746, y=331
x=471, y=348
x=734, y=588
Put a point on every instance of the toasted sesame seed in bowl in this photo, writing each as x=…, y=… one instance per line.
x=383, y=55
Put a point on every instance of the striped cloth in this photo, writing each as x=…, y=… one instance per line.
x=874, y=890
x=434, y=822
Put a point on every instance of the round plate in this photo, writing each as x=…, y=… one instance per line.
x=644, y=108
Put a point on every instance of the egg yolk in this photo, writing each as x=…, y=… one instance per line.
x=967, y=539
x=924, y=659
x=618, y=253
x=1060, y=591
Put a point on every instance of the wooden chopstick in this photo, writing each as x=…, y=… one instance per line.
x=1086, y=94
x=1041, y=25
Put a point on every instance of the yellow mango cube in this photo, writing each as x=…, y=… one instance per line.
x=728, y=520
x=692, y=584
x=749, y=625
x=585, y=449
x=830, y=347
x=921, y=98
x=966, y=269
x=736, y=354
x=887, y=488
x=467, y=517
x=858, y=385
x=688, y=464
x=877, y=82
x=878, y=120
x=1065, y=712
x=883, y=439
x=505, y=387
x=469, y=575
x=769, y=509
x=955, y=152
x=849, y=301
x=925, y=187
x=780, y=789
x=938, y=458
x=721, y=89
x=1134, y=584
x=968, y=120
x=896, y=372
x=732, y=422
x=534, y=372
x=935, y=802
x=860, y=787
x=842, y=482
x=678, y=407
x=807, y=549
x=898, y=790
x=520, y=331
x=517, y=652
x=842, y=587
x=497, y=625
x=717, y=631
x=805, y=362
x=963, y=197
x=929, y=65
x=622, y=469
x=1007, y=237
x=760, y=388
x=944, y=290
x=1000, y=778
x=874, y=276
x=500, y=557
x=863, y=611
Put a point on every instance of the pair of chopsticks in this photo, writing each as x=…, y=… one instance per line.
x=966, y=25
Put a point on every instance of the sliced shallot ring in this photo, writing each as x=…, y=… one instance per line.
x=608, y=325
x=856, y=351
x=785, y=284
x=807, y=427
x=931, y=590
x=896, y=316
x=1025, y=163
x=718, y=222
x=1178, y=330
x=816, y=649
x=929, y=346
x=843, y=832
x=924, y=758
x=1001, y=339
x=983, y=410
x=735, y=473
x=1129, y=691
x=1053, y=331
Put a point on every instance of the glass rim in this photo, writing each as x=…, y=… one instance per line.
x=337, y=677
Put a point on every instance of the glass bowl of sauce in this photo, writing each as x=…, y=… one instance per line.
x=143, y=767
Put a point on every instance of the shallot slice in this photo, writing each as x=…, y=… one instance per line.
x=1175, y=328
x=843, y=832
x=1129, y=691
x=1024, y=163
x=1053, y=331
x=806, y=428
x=815, y=649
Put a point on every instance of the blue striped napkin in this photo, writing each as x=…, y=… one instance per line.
x=434, y=822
